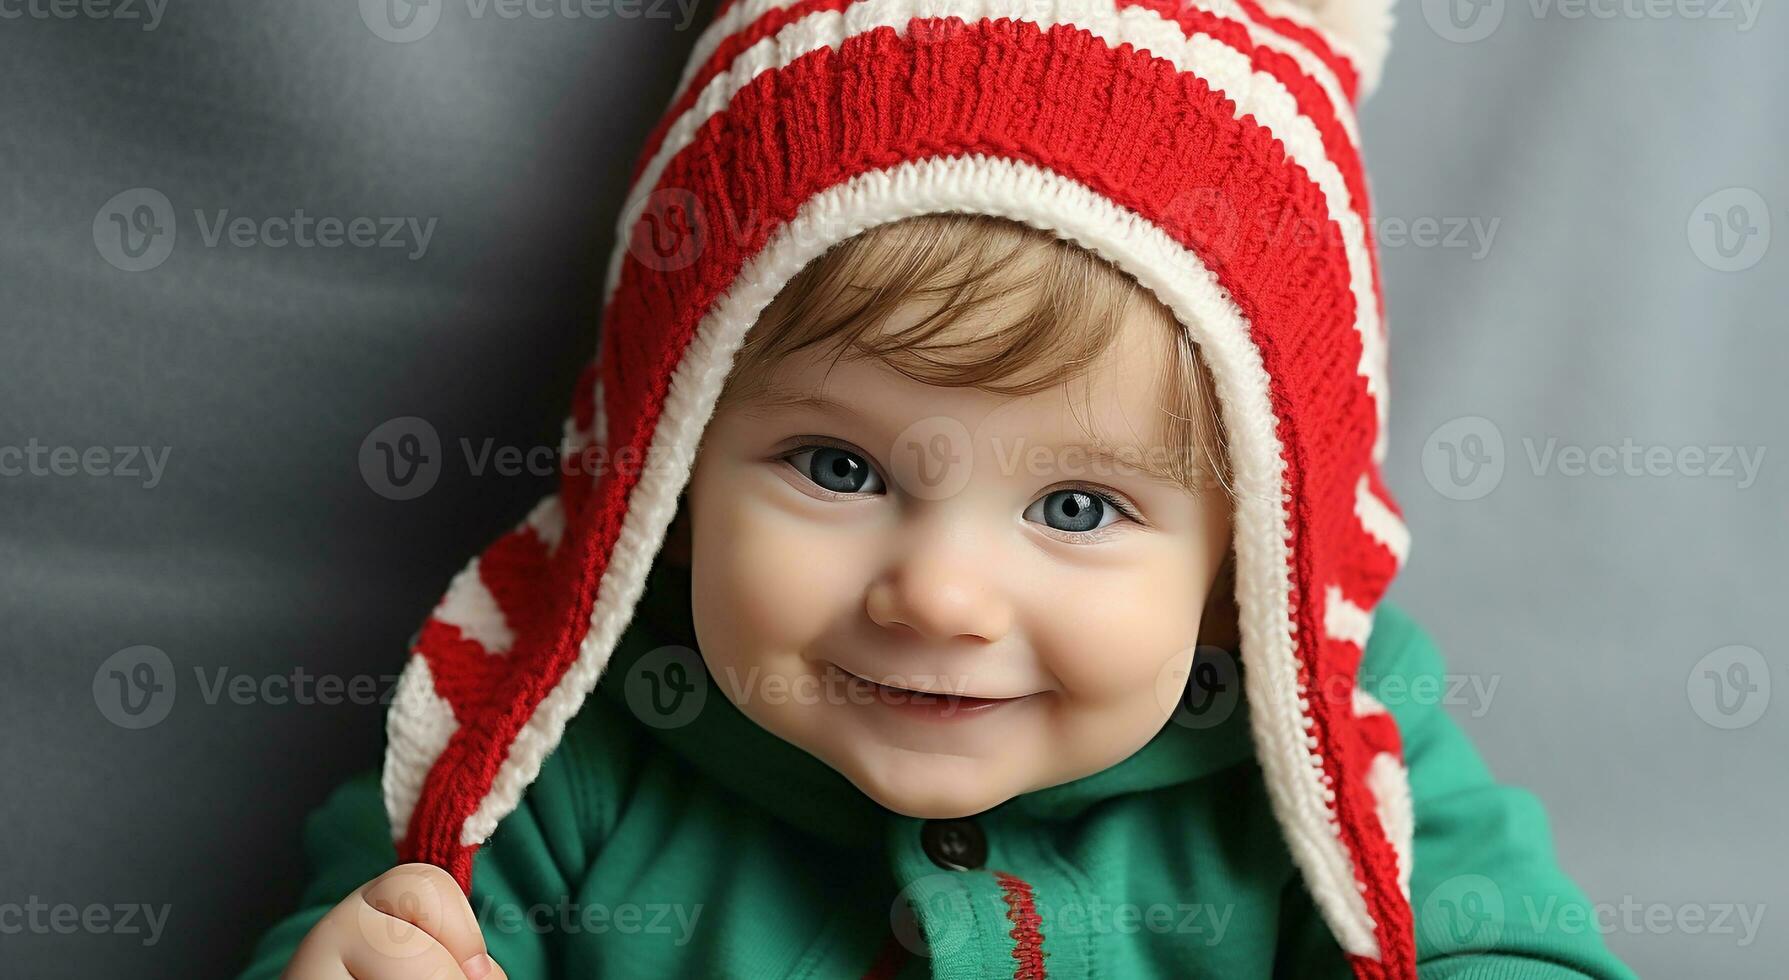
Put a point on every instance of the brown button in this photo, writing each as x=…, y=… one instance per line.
x=954, y=845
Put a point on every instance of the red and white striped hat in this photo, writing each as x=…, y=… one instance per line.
x=1208, y=148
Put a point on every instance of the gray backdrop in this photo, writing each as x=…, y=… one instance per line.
x=1588, y=350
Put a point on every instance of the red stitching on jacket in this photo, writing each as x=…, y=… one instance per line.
x=1021, y=910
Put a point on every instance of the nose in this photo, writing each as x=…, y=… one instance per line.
x=940, y=590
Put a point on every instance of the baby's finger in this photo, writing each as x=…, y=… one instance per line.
x=421, y=958
x=419, y=898
x=482, y=967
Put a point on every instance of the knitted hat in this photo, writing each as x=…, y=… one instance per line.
x=1208, y=148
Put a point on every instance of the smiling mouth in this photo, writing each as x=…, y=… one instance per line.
x=916, y=697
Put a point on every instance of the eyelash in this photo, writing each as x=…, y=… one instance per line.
x=1123, y=507
x=824, y=443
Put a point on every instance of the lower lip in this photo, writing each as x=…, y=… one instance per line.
x=929, y=707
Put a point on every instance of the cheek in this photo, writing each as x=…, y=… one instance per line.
x=763, y=583
x=1121, y=633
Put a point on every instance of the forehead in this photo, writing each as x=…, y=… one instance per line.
x=1117, y=400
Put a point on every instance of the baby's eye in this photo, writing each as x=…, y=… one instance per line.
x=1075, y=511
x=835, y=469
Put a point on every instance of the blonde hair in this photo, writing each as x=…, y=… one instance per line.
x=1050, y=305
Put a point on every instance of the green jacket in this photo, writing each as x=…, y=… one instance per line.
x=716, y=849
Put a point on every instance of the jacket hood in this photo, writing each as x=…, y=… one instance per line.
x=1207, y=148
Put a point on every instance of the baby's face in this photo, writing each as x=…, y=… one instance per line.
x=868, y=537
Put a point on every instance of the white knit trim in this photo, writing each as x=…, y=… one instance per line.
x=1227, y=71
x=1306, y=59
x=575, y=439
x=1380, y=522
x=547, y=520
x=1366, y=705
x=470, y=606
x=417, y=728
x=1389, y=782
x=572, y=439
x=1295, y=778
x=1344, y=620
x=1305, y=13
x=599, y=415
x=1358, y=30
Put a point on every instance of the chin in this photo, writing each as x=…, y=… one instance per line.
x=935, y=809
x=929, y=787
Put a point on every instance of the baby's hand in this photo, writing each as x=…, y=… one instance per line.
x=410, y=922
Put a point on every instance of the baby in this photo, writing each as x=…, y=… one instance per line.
x=960, y=459
x=972, y=533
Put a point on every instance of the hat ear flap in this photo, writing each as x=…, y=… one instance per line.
x=1364, y=26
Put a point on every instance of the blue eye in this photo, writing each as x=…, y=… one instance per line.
x=835, y=469
x=1074, y=511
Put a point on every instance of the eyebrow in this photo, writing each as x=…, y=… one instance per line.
x=761, y=402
